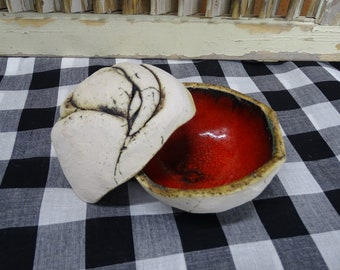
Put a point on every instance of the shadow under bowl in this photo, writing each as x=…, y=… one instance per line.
x=225, y=156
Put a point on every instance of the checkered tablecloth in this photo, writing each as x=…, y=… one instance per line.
x=293, y=224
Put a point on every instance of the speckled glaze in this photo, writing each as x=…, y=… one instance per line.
x=114, y=122
x=220, y=195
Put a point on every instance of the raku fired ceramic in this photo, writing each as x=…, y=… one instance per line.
x=224, y=157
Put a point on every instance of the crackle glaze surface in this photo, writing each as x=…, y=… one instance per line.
x=224, y=157
x=227, y=139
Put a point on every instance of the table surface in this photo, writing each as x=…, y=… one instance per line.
x=293, y=224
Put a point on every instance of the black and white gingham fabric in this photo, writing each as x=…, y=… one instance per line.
x=293, y=224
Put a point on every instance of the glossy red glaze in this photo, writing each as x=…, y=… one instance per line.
x=226, y=140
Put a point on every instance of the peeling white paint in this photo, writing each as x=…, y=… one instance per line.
x=114, y=35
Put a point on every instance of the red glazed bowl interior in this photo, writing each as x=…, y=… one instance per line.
x=227, y=139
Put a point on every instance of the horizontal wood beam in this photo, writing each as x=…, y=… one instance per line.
x=166, y=36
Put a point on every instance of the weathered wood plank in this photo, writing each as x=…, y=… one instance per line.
x=19, y=5
x=217, y=8
x=158, y=7
x=131, y=7
x=186, y=8
x=330, y=14
x=2, y=4
x=172, y=37
x=106, y=6
x=45, y=6
x=73, y=6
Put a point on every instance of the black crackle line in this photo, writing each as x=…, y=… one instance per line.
x=131, y=118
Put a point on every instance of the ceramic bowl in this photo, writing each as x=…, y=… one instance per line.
x=222, y=158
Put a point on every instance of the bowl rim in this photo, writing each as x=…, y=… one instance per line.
x=260, y=174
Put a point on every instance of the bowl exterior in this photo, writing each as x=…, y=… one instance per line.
x=211, y=204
